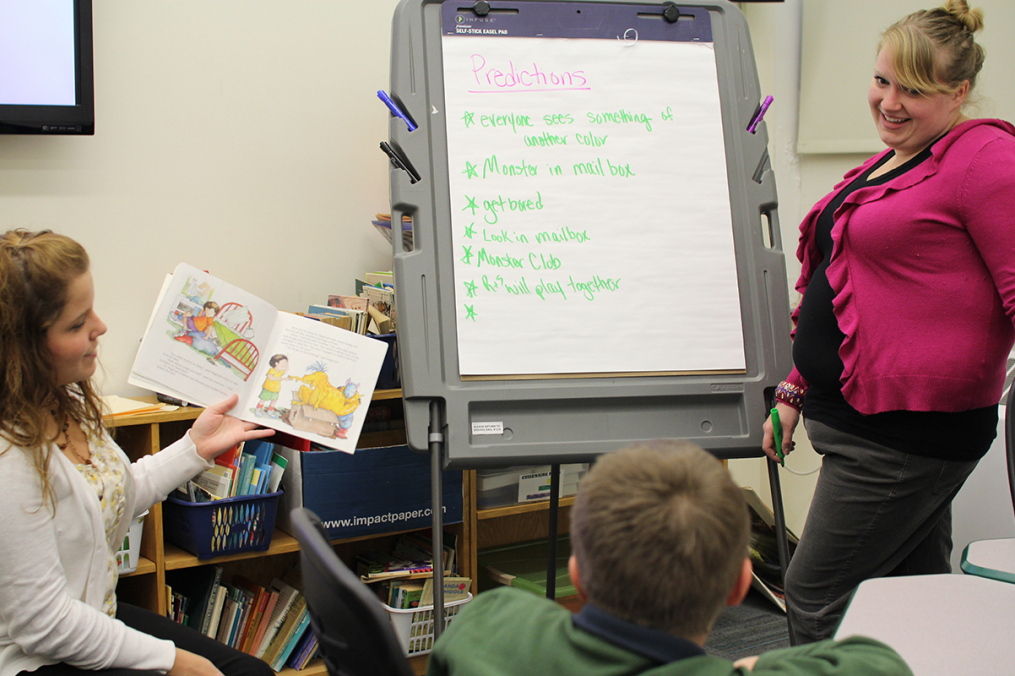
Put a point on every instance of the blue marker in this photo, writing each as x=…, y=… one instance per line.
x=396, y=111
x=760, y=114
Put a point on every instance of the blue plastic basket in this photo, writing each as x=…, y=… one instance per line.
x=228, y=526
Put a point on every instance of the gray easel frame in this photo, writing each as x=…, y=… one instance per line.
x=560, y=419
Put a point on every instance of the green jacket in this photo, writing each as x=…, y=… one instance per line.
x=509, y=632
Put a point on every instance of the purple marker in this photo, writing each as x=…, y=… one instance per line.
x=762, y=109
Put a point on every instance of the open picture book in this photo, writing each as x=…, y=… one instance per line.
x=207, y=339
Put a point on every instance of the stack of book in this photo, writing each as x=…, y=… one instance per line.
x=379, y=289
x=271, y=623
x=252, y=468
x=371, y=310
x=403, y=579
x=408, y=594
x=351, y=313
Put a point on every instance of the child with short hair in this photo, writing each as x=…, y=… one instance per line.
x=660, y=535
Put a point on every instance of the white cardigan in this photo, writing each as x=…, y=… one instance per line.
x=53, y=568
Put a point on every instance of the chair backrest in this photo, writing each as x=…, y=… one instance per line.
x=353, y=631
x=1009, y=439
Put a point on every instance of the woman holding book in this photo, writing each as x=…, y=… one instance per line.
x=68, y=493
x=905, y=322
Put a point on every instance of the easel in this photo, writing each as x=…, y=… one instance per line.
x=482, y=387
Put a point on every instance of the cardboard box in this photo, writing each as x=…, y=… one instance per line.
x=375, y=490
x=513, y=485
x=306, y=418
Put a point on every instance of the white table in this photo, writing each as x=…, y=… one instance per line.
x=991, y=558
x=942, y=625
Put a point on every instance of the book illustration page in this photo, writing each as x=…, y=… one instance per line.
x=204, y=336
x=317, y=383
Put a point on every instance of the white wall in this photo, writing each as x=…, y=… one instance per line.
x=840, y=38
x=240, y=136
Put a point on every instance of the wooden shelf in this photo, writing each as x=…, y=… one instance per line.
x=281, y=543
x=317, y=668
x=182, y=413
x=144, y=567
x=523, y=508
x=146, y=434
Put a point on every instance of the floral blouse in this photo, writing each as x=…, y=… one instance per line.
x=104, y=474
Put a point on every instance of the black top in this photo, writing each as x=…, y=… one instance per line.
x=966, y=435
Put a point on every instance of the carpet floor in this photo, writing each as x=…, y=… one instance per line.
x=754, y=627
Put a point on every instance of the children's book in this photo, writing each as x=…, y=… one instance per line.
x=278, y=465
x=207, y=339
x=382, y=304
x=258, y=597
x=358, y=319
x=198, y=587
x=381, y=278
x=303, y=651
x=344, y=322
x=262, y=622
x=348, y=302
x=216, y=480
x=455, y=589
x=287, y=595
x=281, y=638
x=294, y=638
x=216, y=616
x=227, y=620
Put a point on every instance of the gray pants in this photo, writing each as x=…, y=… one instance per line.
x=876, y=512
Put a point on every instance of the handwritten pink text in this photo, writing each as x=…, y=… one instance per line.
x=527, y=78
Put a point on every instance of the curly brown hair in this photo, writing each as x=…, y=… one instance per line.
x=36, y=268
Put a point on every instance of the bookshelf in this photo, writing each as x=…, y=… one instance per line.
x=148, y=433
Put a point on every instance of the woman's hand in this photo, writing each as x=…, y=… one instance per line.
x=789, y=417
x=189, y=664
x=214, y=432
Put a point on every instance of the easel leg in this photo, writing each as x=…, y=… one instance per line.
x=551, y=542
x=437, y=520
x=781, y=539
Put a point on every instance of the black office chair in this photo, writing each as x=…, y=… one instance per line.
x=353, y=631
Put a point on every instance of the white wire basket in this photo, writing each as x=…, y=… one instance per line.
x=414, y=626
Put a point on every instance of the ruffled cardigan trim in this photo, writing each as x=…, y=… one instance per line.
x=839, y=272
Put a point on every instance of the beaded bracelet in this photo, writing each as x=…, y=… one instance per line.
x=790, y=394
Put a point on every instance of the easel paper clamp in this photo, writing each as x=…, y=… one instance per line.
x=400, y=162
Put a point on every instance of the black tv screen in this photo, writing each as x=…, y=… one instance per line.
x=46, y=84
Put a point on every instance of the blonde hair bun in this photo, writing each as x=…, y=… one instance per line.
x=972, y=19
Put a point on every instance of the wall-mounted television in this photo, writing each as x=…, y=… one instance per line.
x=46, y=83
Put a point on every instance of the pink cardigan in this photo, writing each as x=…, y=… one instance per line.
x=923, y=272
